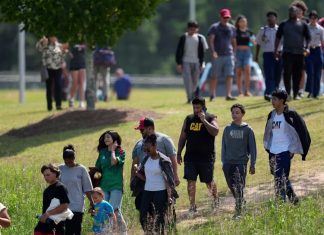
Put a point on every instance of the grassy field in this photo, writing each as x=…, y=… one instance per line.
x=21, y=183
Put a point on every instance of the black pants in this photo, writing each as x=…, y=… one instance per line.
x=293, y=65
x=235, y=175
x=156, y=200
x=54, y=79
x=74, y=226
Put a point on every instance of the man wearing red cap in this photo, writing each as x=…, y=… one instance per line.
x=164, y=144
x=222, y=42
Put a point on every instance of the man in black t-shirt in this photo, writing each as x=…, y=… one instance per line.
x=296, y=37
x=198, y=135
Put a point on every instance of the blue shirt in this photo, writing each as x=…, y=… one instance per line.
x=224, y=34
x=122, y=87
x=102, y=216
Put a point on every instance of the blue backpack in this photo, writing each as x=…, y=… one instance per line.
x=104, y=57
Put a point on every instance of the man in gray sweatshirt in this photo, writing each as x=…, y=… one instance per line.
x=238, y=146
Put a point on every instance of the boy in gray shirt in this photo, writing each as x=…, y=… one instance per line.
x=238, y=145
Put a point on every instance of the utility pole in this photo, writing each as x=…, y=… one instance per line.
x=22, y=63
x=192, y=9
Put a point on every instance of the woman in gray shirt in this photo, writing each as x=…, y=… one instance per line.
x=77, y=180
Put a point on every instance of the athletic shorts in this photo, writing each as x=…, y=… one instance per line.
x=205, y=170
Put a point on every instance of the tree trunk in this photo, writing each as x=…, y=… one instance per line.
x=91, y=84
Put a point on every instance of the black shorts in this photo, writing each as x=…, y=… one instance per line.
x=205, y=170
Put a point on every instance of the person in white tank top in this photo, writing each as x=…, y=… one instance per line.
x=155, y=196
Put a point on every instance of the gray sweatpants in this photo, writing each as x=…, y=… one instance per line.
x=190, y=72
x=102, y=74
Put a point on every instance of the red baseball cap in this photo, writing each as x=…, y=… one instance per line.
x=225, y=13
x=144, y=122
x=140, y=124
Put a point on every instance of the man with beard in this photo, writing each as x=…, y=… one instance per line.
x=198, y=135
x=294, y=33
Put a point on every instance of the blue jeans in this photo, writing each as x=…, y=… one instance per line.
x=235, y=175
x=243, y=58
x=114, y=197
x=314, y=64
x=272, y=69
x=280, y=169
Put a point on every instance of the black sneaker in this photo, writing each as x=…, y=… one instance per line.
x=193, y=209
x=267, y=97
x=211, y=98
x=237, y=215
x=215, y=204
x=230, y=98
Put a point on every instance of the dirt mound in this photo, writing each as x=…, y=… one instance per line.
x=80, y=119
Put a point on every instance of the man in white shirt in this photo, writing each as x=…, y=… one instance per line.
x=190, y=58
x=272, y=68
x=314, y=61
x=285, y=134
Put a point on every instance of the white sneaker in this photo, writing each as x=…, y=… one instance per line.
x=82, y=104
x=71, y=103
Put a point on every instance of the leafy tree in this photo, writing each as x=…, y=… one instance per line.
x=92, y=21
x=154, y=42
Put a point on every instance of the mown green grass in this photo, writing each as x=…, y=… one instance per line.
x=21, y=183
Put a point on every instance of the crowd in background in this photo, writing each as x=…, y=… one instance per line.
x=286, y=47
x=291, y=49
x=65, y=75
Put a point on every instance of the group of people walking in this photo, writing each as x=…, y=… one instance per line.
x=70, y=183
x=289, y=49
x=155, y=159
x=154, y=169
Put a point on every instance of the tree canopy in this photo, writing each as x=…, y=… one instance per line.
x=151, y=48
x=93, y=21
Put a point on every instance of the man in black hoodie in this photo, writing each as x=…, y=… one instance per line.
x=285, y=134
